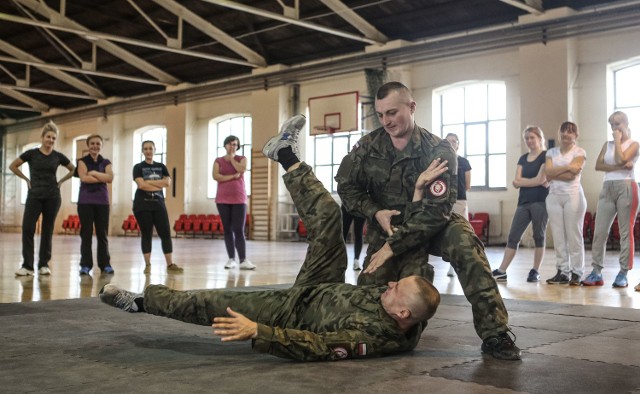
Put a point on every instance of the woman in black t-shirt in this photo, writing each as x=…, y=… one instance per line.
x=149, y=207
x=43, y=197
x=532, y=182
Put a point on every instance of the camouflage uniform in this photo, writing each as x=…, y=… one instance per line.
x=320, y=317
x=375, y=176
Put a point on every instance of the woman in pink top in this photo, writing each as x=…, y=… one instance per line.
x=231, y=200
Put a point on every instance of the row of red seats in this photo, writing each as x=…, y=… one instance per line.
x=480, y=222
x=71, y=224
x=613, y=241
x=203, y=225
x=130, y=226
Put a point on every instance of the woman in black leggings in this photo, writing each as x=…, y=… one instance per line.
x=358, y=227
x=149, y=207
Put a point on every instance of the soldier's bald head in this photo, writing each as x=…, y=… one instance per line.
x=424, y=301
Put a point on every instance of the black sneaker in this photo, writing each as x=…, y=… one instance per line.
x=575, y=280
x=119, y=298
x=502, y=347
x=499, y=276
x=534, y=276
x=559, y=279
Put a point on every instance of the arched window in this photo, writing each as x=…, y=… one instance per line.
x=476, y=112
x=157, y=134
x=24, y=188
x=221, y=128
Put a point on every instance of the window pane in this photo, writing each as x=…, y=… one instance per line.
x=453, y=106
x=478, y=171
x=497, y=171
x=497, y=101
x=323, y=151
x=237, y=127
x=627, y=84
x=476, y=139
x=340, y=148
x=325, y=175
x=475, y=103
x=498, y=137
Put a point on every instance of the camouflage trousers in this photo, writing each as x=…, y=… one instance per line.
x=325, y=262
x=457, y=244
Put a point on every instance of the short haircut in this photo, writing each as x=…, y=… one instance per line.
x=230, y=139
x=92, y=136
x=389, y=87
x=424, y=304
x=570, y=127
x=149, y=142
x=453, y=135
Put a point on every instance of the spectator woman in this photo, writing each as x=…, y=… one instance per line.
x=531, y=180
x=149, y=207
x=231, y=200
x=566, y=205
x=619, y=196
x=94, y=172
x=43, y=197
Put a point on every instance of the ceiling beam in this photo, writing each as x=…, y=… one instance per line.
x=17, y=108
x=126, y=56
x=45, y=66
x=212, y=31
x=60, y=75
x=532, y=6
x=23, y=98
x=308, y=25
x=49, y=92
x=355, y=20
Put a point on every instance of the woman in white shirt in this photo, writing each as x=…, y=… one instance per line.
x=566, y=205
x=619, y=196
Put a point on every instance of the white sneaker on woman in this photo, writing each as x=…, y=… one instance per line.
x=247, y=265
x=230, y=264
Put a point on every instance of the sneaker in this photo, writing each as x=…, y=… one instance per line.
x=452, y=272
x=356, y=265
x=502, y=347
x=44, y=271
x=24, y=272
x=288, y=136
x=174, y=269
x=575, y=280
x=147, y=268
x=593, y=279
x=559, y=279
x=84, y=270
x=621, y=280
x=534, y=276
x=247, y=265
x=119, y=298
x=230, y=264
x=499, y=276
x=108, y=270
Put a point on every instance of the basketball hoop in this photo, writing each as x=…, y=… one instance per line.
x=318, y=130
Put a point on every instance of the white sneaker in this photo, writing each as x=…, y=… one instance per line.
x=288, y=136
x=247, y=265
x=356, y=265
x=451, y=273
x=44, y=271
x=230, y=264
x=24, y=272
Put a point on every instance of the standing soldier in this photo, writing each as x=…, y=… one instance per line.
x=376, y=180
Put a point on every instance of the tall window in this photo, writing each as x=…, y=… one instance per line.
x=240, y=126
x=476, y=112
x=626, y=85
x=328, y=152
x=24, y=188
x=158, y=135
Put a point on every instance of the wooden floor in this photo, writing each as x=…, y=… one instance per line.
x=277, y=262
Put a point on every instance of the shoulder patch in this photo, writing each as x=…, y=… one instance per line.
x=356, y=146
x=340, y=352
x=438, y=188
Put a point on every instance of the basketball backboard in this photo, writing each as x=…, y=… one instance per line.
x=333, y=113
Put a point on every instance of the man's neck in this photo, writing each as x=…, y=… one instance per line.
x=399, y=143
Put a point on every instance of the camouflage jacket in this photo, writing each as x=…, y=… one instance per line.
x=375, y=176
x=331, y=321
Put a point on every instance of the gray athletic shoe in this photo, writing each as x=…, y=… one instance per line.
x=288, y=136
x=119, y=298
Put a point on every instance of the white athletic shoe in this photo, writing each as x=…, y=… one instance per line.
x=230, y=264
x=288, y=136
x=247, y=265
x=44, y=271
x=356, y=265
x=119, y=298
x=24, y=272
